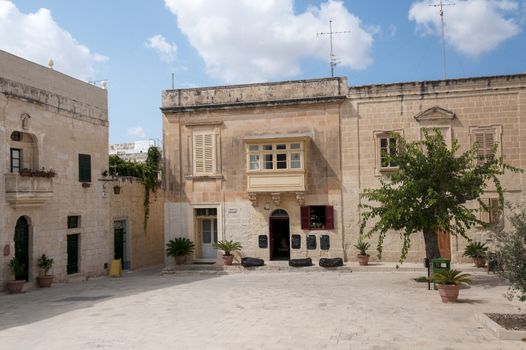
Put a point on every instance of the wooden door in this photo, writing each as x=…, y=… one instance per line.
x=22, y=246
x=73, y=254
x=444, y=244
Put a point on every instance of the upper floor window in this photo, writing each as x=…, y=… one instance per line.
x=16, y=160
x=491, y=215
x=385, y=149
x=275, y=156
x=204, y=153
x=486, y=138
x=74, y=221
x=84, y=168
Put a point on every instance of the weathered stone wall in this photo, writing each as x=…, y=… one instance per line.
x=66, y=117
x=145, y=247
x=238, y=218
x=494, y=101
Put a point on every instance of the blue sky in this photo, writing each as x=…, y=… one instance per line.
x=136, y=45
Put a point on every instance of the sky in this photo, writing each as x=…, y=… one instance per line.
x=136, y=45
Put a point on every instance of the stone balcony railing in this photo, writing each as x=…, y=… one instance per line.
x=27, y=191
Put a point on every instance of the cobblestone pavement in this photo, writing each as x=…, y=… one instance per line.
x=311, y=310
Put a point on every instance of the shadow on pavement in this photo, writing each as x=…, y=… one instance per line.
x=38, y=304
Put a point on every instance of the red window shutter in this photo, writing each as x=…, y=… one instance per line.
x=329, y=217
x=305, y=218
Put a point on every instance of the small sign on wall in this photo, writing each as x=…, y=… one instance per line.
x=263, y=241
x=296, y=242
x=232, y=211
x=311, y=242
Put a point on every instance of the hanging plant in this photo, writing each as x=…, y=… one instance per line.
x=148, y=172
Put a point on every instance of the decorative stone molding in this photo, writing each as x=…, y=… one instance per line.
x=300, y=197
x=276, y=197
x=25, y=121
x=253, y=198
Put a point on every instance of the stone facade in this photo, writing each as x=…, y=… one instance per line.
x=214, y=141
x=48, y=119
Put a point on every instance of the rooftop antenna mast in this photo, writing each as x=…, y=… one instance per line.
x=441, y=5
x=333, y=61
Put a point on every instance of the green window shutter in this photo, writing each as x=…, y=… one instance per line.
x=84, y=168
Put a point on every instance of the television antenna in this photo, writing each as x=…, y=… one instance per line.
x=441, y=5
x=333, y=61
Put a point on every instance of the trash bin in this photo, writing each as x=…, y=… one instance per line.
x=439, y=265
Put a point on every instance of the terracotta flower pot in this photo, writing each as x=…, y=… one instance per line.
x=479, y=261
x=180, y=260
x=228, y=259
x=15, y=287
x=448, y=292
x=45, y=281
x=363, y=260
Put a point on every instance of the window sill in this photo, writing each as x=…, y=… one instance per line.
x=203, y=177
x=382, y=171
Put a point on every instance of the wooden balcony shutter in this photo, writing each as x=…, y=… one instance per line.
x=329, y=217
x=485, y=141
x=305, y=218
x=84, y=168
x=209, y=153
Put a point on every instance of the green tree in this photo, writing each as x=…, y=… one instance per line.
x=429, y=191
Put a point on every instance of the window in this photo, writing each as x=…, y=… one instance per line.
x=485, y=141
x=204, y=152
x=275, y=156
x=16, y=160
x=84, y=168
x=385, y=148
x=317, y=217
x=206, y=212
x=73, y=221
x=490, y=216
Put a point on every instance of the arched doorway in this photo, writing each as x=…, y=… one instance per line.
x=279, y=234
x=22, y=245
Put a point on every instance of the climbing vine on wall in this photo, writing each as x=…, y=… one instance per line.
x=148, y=172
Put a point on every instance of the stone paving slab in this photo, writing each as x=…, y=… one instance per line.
x=301, y=310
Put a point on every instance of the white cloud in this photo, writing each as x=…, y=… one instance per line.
x=472, y=27
x=247, y=40
x=164, y=49
x=37, y=37
x=137, y=132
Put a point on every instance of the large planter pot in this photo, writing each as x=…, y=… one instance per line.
x=228, y=259
x=479, y=261
x=180, y=260
x=15, y=287
x=45, y=281
x=448, y=292
x=363, y=260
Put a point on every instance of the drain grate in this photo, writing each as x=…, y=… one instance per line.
x=84, y=298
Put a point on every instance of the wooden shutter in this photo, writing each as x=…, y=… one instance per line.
x=305, y=218
x=329, y=217
x=84, y=168
x=199, y=165
x=484, y=214
x=493, y=210
x=208, y=151
x=485, y=141
x=204, y=153
x=489, y=142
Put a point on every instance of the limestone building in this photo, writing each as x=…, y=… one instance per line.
x=280, y=167
x=53, y=149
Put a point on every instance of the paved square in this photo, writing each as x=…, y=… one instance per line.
x=298, y=310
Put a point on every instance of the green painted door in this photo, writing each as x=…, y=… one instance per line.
x=73, y=254
x=22, y=246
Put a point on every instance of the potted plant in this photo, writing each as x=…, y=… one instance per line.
x=477, y=251
x=179, y=248
x=363, y=257
x=17, y=268
x=449, y=282
x=45, y=264
x=227, y=247
x=24, y=172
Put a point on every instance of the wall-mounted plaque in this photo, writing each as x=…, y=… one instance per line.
x=296, y=242
x=263, y=241
x=311, y=242
x=325, y=242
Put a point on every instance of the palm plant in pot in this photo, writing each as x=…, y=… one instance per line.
x=477, y=251
x=449, y=283
x=228, y=247
x=179, y=248
x=45, y=264
x=17, y=268
x=363, y=257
